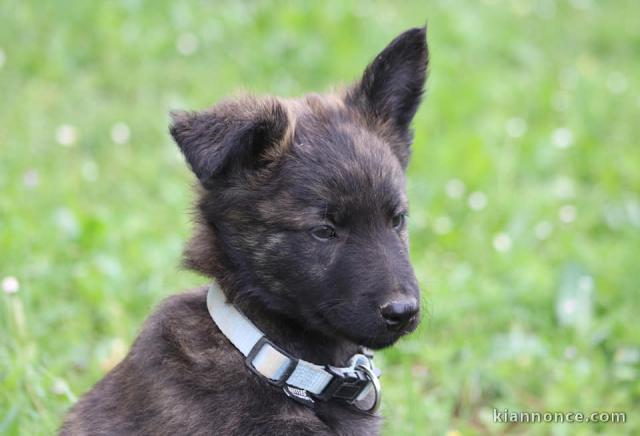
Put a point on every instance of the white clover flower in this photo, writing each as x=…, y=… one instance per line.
x=562, y=137
x=564, y=187
x=455, y=188
x=31, y=178
x=568, y=307
x=66, y=135
x=543, y=230
x=60, y=387
x=515, y=127
x=570, y=352
x=567, y=213
x=66, y=221
x=442, y=225
x=477, y=200
x=187, y=43
x=10, y=285
x=502, y=242
x=120, y=133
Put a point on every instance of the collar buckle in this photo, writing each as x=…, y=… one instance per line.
x=344, y=386
x=357, y=385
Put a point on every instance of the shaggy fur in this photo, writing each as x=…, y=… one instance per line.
x=301, y=221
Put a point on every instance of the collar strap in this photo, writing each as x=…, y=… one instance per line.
x=356, y=384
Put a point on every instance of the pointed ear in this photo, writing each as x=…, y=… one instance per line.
x=233, y=135
x=392, y=85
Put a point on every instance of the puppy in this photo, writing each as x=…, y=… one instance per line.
x=302, y=227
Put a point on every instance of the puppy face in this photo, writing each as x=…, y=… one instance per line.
x=303, y=202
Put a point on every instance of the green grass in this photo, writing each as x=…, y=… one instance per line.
x=534, y=106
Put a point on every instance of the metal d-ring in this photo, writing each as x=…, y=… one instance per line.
x=376, y=386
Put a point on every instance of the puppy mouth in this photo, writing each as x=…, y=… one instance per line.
x=388, y=338
x=382, y=338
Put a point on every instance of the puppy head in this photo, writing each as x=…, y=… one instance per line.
x=303, y=202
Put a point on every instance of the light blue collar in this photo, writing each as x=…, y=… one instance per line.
x=305, y=382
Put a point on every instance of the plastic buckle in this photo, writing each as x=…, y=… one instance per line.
x=257, y=348
x=350, y=385
x=344, y=386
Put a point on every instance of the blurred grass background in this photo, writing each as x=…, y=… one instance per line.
x=525, y=191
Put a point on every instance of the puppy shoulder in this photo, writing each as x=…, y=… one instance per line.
x=180, y=330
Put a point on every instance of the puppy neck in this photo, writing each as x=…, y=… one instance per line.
x=293, y=336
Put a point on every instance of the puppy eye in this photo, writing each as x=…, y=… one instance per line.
x=323, y=233
x=398, y=221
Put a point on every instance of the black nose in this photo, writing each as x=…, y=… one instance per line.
x=398, y=314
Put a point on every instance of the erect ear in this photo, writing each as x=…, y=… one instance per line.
x=392, y=85
x=231, y=136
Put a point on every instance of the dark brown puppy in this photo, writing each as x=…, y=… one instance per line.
x=302, y=224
